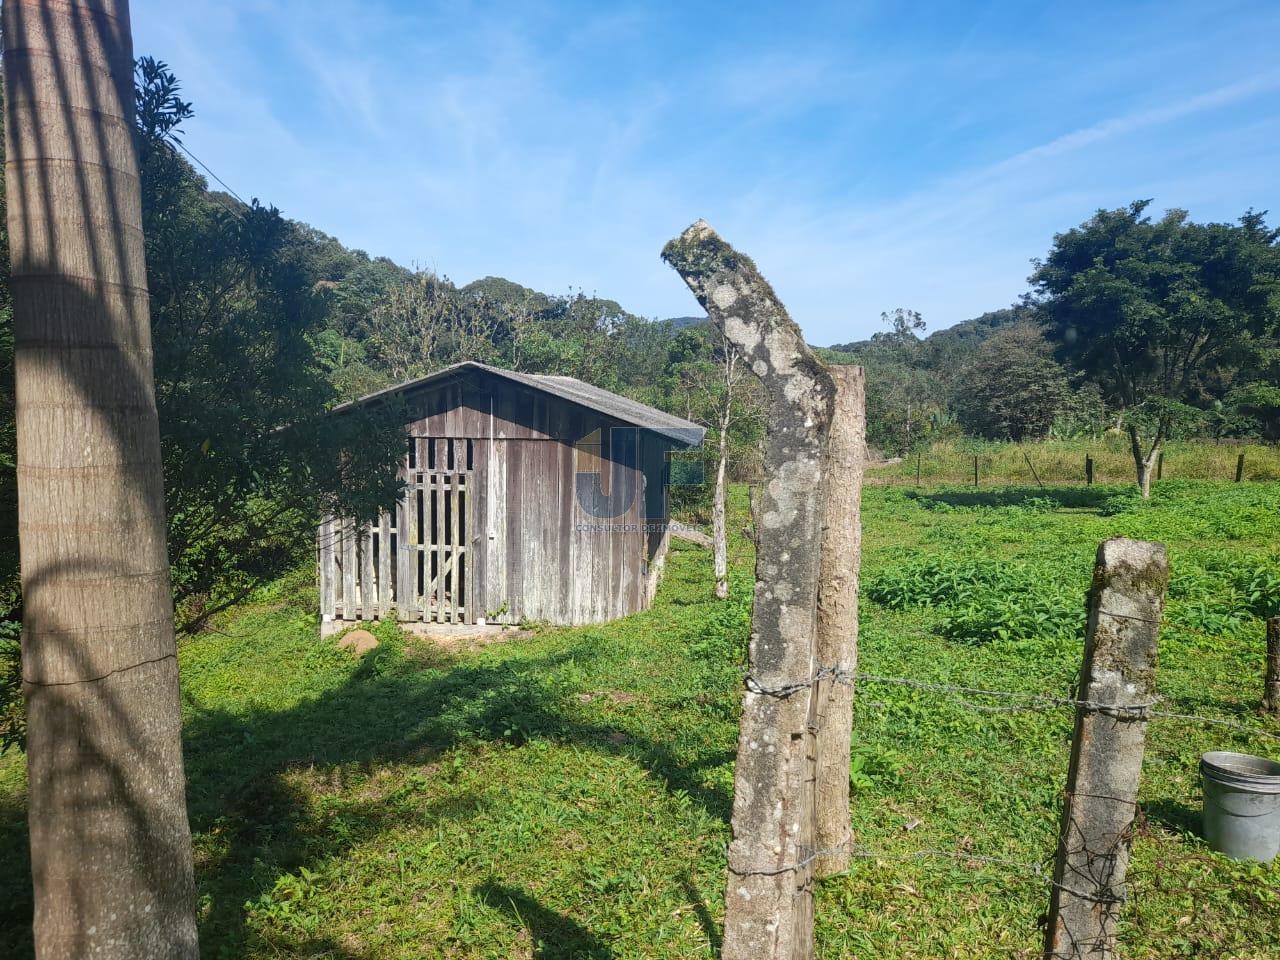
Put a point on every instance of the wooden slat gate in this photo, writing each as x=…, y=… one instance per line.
x=413, y=560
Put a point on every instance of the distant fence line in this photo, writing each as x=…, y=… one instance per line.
x=1037, y=465
x=1040, y=463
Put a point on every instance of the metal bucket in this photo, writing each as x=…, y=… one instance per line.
x=1241, y=805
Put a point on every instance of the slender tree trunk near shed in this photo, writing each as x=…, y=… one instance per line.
x=769, y=896
x=719, y=535
x=837, y=642
x=110, y=844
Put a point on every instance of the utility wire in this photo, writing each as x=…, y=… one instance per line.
x=205, y=167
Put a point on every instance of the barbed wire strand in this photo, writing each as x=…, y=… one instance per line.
x=1023, y=702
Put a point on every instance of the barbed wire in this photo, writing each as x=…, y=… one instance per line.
x=1033, y=702
x=1015, y=701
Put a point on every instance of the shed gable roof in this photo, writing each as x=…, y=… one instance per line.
x=584, y=394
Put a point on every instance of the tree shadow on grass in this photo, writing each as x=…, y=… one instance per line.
x=554, y=936
x=1075, y=498
x=1181, y=818
x=15, y=882
x=388, y=710
x=710, y=929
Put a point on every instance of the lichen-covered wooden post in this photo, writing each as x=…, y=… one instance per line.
x=1117, y=688
x=1271, y=684
x=837, y=639
x=769, y=897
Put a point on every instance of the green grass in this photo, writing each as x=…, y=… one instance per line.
x=1061, y=462
x=567, y=794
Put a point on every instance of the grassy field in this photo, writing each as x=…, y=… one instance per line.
x=1061, y=463
x=567, y=794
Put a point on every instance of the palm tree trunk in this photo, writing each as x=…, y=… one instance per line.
x=110, y=842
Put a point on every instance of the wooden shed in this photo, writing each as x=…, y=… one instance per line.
x=525, y=498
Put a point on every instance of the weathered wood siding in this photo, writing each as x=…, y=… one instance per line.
x=528, y=545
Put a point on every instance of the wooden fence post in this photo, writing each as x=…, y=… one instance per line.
x=975, y=471
x=1117, y=687
x=1271, y=686
x=1039, y=482
x=769, y=895
x=1088, y=470
x=1239, y=468
x=1160, y=466
x=837, y=643
x=917, y=455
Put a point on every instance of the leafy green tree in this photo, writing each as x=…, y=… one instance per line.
x=238, y=309
x=1012, y=388
x=1259, y=404
x=1152, y=311
x=1081, y=414
x=906, y=401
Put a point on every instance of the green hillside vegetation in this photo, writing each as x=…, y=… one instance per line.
x=261, y=322
x=567, y=793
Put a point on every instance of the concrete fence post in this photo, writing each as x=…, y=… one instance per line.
x=837, y=642
x=769, y=894
x=1117, y=687
x=1271, y=686
x=1239, y=468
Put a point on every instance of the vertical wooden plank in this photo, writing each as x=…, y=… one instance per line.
x=598, y=582
x=494, y=588
x=325, y=544
x=468, y=549
x=435, y=539
x=563, y=519
x=535, y=575
x=576, y=521
x=385, y=602
x=406, y=566
x=349, y=570
x=477, y=531
x=455, y=545
x=368, y=586
x=509, y=530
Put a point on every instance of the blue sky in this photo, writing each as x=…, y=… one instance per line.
x=867, y=155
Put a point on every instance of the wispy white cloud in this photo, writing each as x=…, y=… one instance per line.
x=564, y=146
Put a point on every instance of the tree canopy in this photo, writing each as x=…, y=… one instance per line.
x=1162, y=315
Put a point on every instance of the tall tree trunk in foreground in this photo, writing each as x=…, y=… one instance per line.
x=769, y=899
x=837, y=643
x=110, y=844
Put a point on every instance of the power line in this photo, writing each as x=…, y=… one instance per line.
x=205, y=167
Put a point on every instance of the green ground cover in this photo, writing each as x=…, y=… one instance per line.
x=1061, y=462
x=567, y=794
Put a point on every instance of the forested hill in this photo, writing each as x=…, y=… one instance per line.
x=961, y=336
